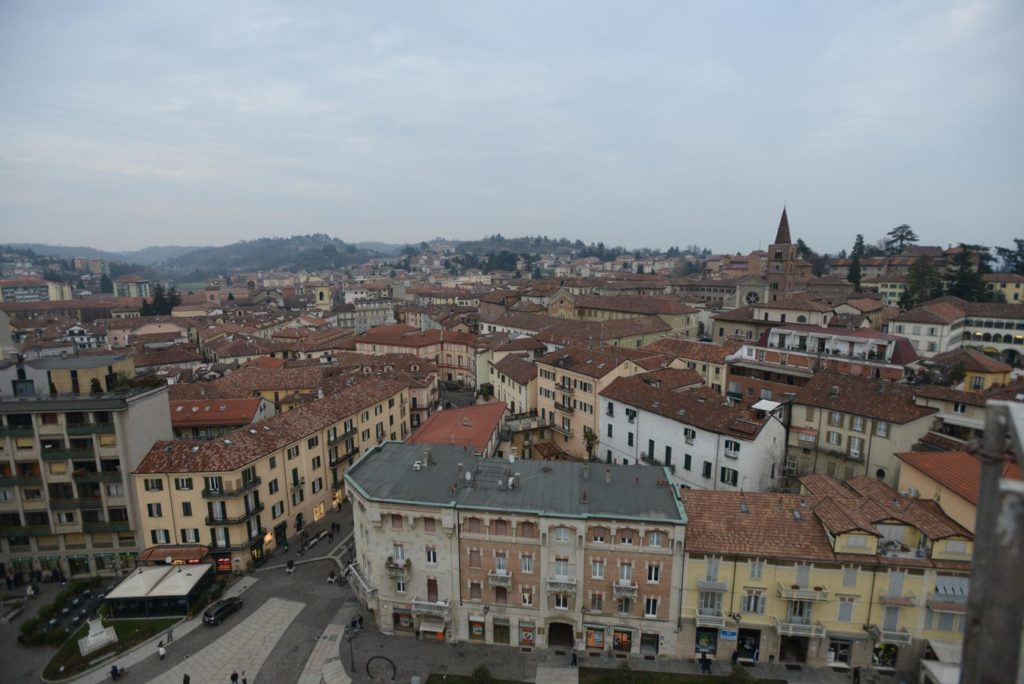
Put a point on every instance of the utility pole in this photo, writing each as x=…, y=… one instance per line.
x=995, y=605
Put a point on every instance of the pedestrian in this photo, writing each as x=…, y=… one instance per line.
x=735, y=656
x=114, y=672
x=757, y=655
x=244, y=680
x=856, y=675
x=574, y=662
x=360, y=622
x=353, y=624
x=705, y=664
x=234, y=678
x=160, y=650
x=185, y=679
x=170, y=634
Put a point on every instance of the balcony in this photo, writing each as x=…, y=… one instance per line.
x=795, y=593
x=21, y=481
x=91, y=476
x=91, y=429
x=947, y=603
x=899, y=637
x=106, y=526
x=567, y=431
x=235, y=520
x=624, y=589
x=564, y=408
x=61, y=454
x=712, y=585
x=436, y=608
x=710, y=617
x=362, y=583
x=63, y=504
x=26, y=531
x=907, y=598
x=810, y=629
x=558, y=584
x=565, y=389
x=227, y=492
x=16, y=431
x=399, y=570
x=499, y=578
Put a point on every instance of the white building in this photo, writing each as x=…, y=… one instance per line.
x=704, y=441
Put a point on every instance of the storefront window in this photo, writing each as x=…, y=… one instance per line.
x=402, y=620
x=526, y=634
x=884, y=655
x=839, y=651
x=707, y=640
x=595, y=638
x=79, y=565
x=748, y=644
x=476, y=630
x=501, y=631
x=622, y=639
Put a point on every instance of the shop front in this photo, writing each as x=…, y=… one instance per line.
x=594, y=636
x=281, y=535
x=748, y=644
x=401, y=620
x=884, y=656
x=256, y=556
x=649, y=643
x=839, y=652
x=78, y=564
x=477, y=631
x=706, y=641
x=502, y=631
x=527, y=633
x=622, y=640
x=432, y=628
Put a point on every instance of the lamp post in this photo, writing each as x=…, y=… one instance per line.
x=350, y=634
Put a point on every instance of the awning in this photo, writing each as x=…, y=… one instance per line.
x=947, y=651
x=159, y=554
x=432, y=624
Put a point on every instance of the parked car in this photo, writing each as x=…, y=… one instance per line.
x=221, y=609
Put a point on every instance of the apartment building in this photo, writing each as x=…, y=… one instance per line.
x=785, y=358
x=132, y=286
x=23, y=290
x=680, y=318
x=708, y=359
x=242, y=495
x=65, y=499
x=514, y=379
x=704, y=441
x=568, y=384
x=452, y=352
x=845, y=426
x=840, y=575
x=535, y=554
x=932, y=328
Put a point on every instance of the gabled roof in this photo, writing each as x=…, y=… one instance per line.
x=203, y=412
x=470, y=426
x=971, y=360
x=595, y=363
x=861, y=396
x=521, y=371
x=692, y=350
x=957, y=471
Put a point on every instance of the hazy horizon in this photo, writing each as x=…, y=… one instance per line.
x=128, y=125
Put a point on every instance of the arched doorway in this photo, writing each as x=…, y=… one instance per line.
x=561, y=634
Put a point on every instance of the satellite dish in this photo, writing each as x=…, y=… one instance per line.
x=169, y=560
x=469, y=476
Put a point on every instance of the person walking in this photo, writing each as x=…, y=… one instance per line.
x=705, y=664
x=856, y=675
x=170, y=634
x=360, y=622
x=160, y=650
x=185, y=679
x=574, y=662
x=735, y=656
x=234, y=678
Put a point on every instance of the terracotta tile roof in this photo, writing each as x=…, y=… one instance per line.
x=673, y=379
x=949, y=394
x=203, y=412
x=995, y=310
x=971, y=360
x=958, y=471
x=743, y=314
x=522, y=344
x=407, y=336
x=595, y=363
x=565, y=331
x=702, y=407
x=241, y=447
x=648, y=305
x=167, y=357
x=520, y=370
x=944, y=310
x=861, y=396
x=865, y=305
x=692, y=350
x=470, y=426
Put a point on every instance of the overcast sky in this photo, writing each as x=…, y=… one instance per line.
x=645, y=124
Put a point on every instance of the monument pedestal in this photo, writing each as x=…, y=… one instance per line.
x=98, y=637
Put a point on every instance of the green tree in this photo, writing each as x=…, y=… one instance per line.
x=965, y=278
x=858, y=247
x=481, y=675
x=1013, y=257
x=147, y=308
x=159, y=300
x=173, y=299
x=898, y=238
x=739, y=675
x=106, y=284
x=922, y=283
x=95, y=387
x=590, y=440
x=853, y=274
x=231, y=296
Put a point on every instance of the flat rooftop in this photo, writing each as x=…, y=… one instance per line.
x=160, y=581
x=551, y=488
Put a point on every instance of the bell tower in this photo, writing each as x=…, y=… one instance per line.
x=782, y=263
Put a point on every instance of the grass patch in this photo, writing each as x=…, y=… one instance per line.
x=462, y=679
x=591, y=675
x=130, y=633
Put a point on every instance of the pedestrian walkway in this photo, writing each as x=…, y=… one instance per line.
x=557, y=674
x=324, y=664
x=244, y=648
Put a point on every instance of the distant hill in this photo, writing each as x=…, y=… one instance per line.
x=309, y=252
x=384, y=248
x=146, y=256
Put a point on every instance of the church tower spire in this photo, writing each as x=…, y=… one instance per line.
x=782, y=236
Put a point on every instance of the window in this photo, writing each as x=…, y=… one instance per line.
x=526, y=563
x=856, y=446
x=609, y=430
x=317, y=463
x=561, y=601
x=707, y=469
x=629, y=439
x=398, y=553
x=431, y=555
x=668, y=455
x=313, y=442
x=732, y=448
x=115, y=490
x=153, y=484
x=273, y=486
x=183, y=484
x=651, y=606
x=65, y=517
x=292, y=452
x=597, y=601
x=835, y=418
x=834, y=438
x=654, y=539
x=625, y=605
x=809, y=413
x=561, y=534
x=845, y=609
x=857, y=423
x=277, y=509
x=474, y=558
x=160, y=536
x=687, y=462
x=561, y=567
x=756, y=569
x=473, y=525
x=474, y=591
x=654, y=573
x=611, y=410
x=400, y=586
x=690, y=434
x=273, y=462
x=850, y=576
x=501, y=563
x=186, y=508
x=626, y=537
x=959, y=408
x=396, y=522
x=429, y=525
x=597, y=569
x=753, y=601
x=729, y=476
x=154, y=510
x=597, y=535
x=190, y=535
x=711, y=570
x=881, y=428
x=527, y=596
